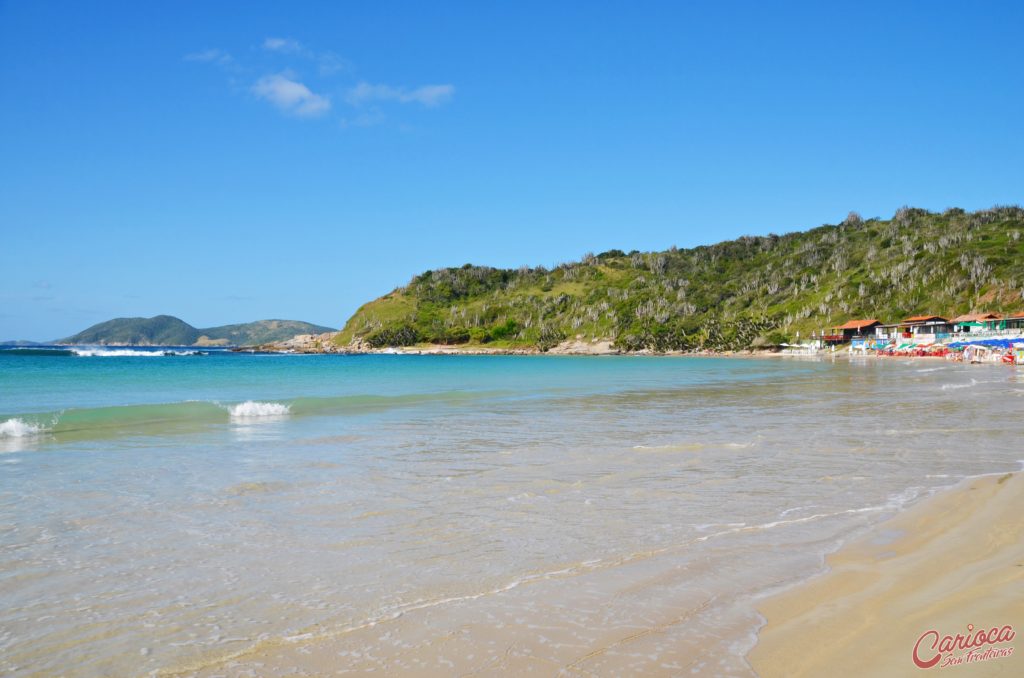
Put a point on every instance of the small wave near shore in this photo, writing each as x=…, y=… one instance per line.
x=252, y=409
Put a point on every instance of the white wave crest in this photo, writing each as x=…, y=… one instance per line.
x=677, y=447
x=252, y=408
x=19, y=428
x=692, y=447
x=127, y=353
x=952, y=387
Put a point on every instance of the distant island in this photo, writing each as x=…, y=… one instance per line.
x=166, y=330
x=744, y=293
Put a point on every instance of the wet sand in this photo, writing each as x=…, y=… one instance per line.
x=954, y=560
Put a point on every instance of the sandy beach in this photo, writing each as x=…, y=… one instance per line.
x=950, y=562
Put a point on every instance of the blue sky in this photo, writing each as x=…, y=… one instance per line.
x=226, y=162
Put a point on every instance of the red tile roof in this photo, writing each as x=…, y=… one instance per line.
x=977, y=317
x=924, y=318
x=858, y=324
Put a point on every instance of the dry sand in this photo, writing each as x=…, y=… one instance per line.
x=954, y=560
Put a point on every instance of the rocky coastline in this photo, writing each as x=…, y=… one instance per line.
x=325, y=344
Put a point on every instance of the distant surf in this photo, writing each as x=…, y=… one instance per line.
x=102, y=352
x=130, y=353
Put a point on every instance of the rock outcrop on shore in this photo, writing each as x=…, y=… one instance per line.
x=306, y=343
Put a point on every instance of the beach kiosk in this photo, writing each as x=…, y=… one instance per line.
x=855, y=331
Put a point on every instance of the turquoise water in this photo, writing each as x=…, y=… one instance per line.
x=227, y=514
x=35, y=382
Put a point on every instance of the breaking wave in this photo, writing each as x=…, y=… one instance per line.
x=19, y=428
x=163, y=418
x=252, y=408
x=99, y=352
x=129, y=353
x=953, y=387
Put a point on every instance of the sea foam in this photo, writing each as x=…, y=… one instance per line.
x=252, y=408
x=952, y=387
x=19, y=428
x=127, y=353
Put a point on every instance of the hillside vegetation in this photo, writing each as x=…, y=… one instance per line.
x=166, y=330
x=732, y=295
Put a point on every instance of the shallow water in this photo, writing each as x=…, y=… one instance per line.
x=436, y=514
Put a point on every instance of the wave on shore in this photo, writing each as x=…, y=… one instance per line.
x=19, y=428
x=251, y=408
x=159, y=418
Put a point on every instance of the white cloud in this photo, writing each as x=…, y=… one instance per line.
x=291, y=96
x=285, y=91
x=211, y=56
x=285, y=46
x=427, y=95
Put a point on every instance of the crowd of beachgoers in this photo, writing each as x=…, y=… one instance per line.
x=1009, y=351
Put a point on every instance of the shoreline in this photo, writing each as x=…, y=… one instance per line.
x=323, y=344
x=567, y=348
x=954, y=559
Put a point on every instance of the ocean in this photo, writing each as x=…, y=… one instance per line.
x=179, y=512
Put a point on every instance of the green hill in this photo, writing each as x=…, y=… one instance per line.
x=731, y=295
x=262, y=332
x=165, y=330
x=161, y=330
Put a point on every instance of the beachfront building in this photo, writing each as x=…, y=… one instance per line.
x=851, y=330
x=917, y=328
x=978, y=323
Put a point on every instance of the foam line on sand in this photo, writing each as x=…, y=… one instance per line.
x=954, y=560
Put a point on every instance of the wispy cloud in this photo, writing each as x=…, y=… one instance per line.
x=328, y=63
x=293, y=93
x=291, y=96
x=427, y=95
x=285, y=46
x=211, y=56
